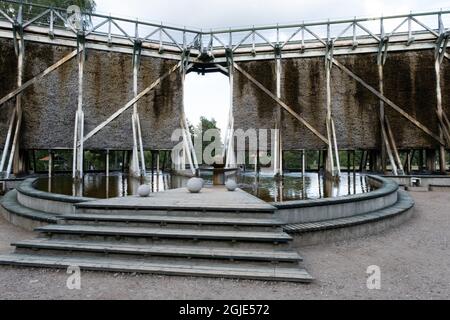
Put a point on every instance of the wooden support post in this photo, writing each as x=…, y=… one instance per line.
x=14, y=157
x=78, y=147
x=384, y=144
x=229, y=143
x=363, y=163
x=303, y=163
x=431, y=160
x=421, y=161
x=163, y=167
x=107, y=162
x=138, y=148
x=130, y=103
x=304, y=174
x=8, y=140
x=282, y=104
x=158, y=164
x=394, y=147
x=37, y=78
x=443, y=131
x=50, y=164
x=278, y=158
x=348, y=163
x=34, y=162
x=390, y=103
x=408, y=162
x=332, y=166
x=354, y=162
x=329, y=164
x=134, y=164
x=319, y=162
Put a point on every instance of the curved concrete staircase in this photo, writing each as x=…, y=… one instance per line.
x=239, y=242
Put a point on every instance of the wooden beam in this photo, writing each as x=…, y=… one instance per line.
x=38, y=77
x=394, y=145
x=390, y=103
x=282, y=104
x=131, y=103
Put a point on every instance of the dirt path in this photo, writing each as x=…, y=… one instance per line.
x=414, y=261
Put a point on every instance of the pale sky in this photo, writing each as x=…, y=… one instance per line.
x=209, y=95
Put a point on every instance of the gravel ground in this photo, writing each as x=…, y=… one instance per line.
x=414, y=261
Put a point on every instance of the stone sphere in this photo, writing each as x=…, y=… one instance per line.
x=195, y=185
x=231, y=185
x=144, y=191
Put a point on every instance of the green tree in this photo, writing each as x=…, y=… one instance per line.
x=203, y=126
x=30, y=10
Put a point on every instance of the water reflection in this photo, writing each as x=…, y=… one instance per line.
x=289, y=188
x=297, y=187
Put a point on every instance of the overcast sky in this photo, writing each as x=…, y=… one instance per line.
x=209, y=95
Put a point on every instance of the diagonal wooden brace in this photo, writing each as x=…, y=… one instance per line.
x=390, y=103
x=131, y=103
x=282, y=104
x=30, y=82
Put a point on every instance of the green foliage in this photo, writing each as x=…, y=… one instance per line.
x=30, y=10
x=87, y=6
x=198, y=132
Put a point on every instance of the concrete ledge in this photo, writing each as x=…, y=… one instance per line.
x=361, y=226
x=29, y=197
x=342, y=207
x=9, y=184
x=440, y=188
x=23, y=217
x=427, y=181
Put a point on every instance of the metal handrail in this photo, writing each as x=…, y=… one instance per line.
x=176, y=37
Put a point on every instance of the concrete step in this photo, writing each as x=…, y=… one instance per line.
x=12, y=206
x=134, y=220
x=237, y=212
x=195, y=252
x=404, y=204
x=267, y=273
x=127, y=233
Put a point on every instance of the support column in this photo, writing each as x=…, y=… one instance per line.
x=385, y=134
x=107, y=162
x=431, y=160
x=137, y=169
x=78, y=147
x=384, y=140
x=189, y=151
x=14, y=156
x=229, y=139
x=50, y=164
x=332, y=165
x=440, y=115
x=279, y=124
